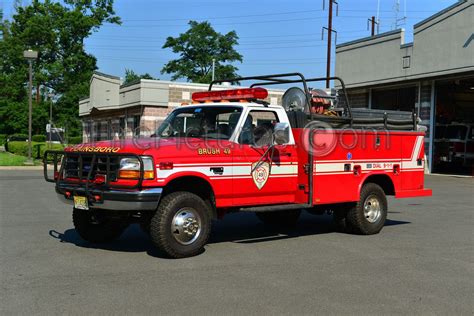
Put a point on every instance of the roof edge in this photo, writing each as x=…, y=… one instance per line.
x=437, y=14
x=368, y=38
x=406, y=45
x=98, y=73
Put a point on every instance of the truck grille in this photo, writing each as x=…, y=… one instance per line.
x=79, y=166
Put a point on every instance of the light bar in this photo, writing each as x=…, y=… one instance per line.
x=235, y=94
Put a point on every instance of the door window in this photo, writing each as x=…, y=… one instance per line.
x=258, y=128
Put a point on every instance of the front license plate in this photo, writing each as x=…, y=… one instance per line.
x=80, y=202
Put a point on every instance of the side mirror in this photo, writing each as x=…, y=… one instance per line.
x=281, y=133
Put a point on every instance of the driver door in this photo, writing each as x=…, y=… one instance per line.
x=263, y=174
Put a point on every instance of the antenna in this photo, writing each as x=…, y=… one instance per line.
x=399, y=21
x=378, y=16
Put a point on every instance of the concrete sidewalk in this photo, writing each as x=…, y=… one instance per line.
x=19, y=168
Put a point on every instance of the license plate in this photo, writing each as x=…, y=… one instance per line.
x=80, y=202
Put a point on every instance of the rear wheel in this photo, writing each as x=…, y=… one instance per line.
x=181, y=225
x=279, y=218
x=95, y=227
x=368, y=216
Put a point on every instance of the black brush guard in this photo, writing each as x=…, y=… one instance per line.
x=90, y=162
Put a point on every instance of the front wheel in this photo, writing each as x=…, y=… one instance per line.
x=95, y=227
x=181, y=225
x=367, y=217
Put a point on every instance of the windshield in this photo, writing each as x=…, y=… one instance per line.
x=214, y=122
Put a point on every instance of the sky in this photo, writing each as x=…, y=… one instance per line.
x=275, y=36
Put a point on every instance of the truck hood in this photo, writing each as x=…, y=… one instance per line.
x=154, y=146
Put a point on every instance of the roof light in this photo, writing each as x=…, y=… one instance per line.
x=230, y=95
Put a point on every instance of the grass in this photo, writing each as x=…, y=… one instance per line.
x=9, y=159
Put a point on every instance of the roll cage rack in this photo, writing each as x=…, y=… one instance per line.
x=285, y=78
x=361, y=118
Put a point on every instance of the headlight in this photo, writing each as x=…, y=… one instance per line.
x=130, y=168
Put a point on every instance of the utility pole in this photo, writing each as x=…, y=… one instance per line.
x=50, y=95
x=372, y=23
x=213, y=68
x=330, y=30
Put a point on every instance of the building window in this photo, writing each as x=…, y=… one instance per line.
x=395, y=99
x=406, y=62
x=122, y=131
x=136, y=125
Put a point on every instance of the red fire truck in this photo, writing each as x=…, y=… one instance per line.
x=231, y=150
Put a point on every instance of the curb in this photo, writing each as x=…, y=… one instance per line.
x=21, y=168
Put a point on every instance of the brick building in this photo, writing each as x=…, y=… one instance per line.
x=116, y=111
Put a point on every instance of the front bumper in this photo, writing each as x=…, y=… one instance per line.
x=114, y=200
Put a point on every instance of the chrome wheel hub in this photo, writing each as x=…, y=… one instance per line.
x=372, y=209
x=186, y=226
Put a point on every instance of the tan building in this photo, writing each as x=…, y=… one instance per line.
x=116, y=111
x=433, y=76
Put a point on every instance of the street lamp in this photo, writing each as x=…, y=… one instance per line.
x=50, y=95
x=30, y=56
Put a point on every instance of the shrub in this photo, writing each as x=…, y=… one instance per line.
x=38, y=138
x=17, y=138
x=75, y=140
x=37, y=150
x=18, y=148
x=3, y=138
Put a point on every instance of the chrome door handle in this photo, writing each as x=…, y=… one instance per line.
x=217, y=170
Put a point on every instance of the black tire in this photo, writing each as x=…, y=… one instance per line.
x=95, y=227
x=279, y=218
x=371, y=195
x=166, y=238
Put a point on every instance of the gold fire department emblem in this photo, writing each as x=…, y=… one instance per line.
x=260, y=174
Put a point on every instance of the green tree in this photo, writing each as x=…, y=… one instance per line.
x=132, y=76
x=57, y=31
x=197, y=47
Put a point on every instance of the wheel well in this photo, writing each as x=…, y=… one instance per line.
x=383, y=181
x=195, y=185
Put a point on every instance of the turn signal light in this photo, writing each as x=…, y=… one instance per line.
x=135, y=174
x=129, y=174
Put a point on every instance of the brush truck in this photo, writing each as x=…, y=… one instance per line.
x=232, y=151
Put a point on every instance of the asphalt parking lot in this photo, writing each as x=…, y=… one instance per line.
x=421, y=263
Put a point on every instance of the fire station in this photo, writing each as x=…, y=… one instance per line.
x=116, y=111
x=433, y=75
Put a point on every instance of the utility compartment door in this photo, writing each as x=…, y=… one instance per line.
x=413, y=162
x=344, y=159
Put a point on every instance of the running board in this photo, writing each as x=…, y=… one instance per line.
x=272, y=208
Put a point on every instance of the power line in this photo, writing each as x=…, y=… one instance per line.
x=258, y=15
x=245, y=60
x=160, y=39
x=224, y=17
x=267, y=44
x=125, y=48
x=242, y=23
x=237, y=64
